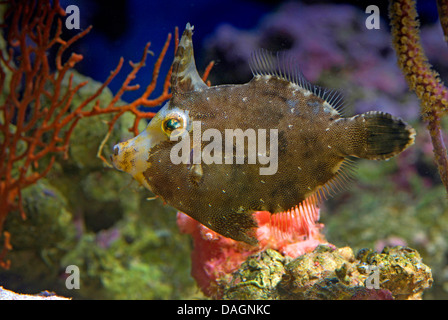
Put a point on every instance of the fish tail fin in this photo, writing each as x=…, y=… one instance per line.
x=185, y=77
x=377, y=135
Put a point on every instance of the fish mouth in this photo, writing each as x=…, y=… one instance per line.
x=132, y=155
x=116, y=150
x=129, y=158
x=128, y=155
x=114, y=157
x=118, y=158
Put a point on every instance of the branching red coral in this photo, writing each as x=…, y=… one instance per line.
x=6, y=247
x=420, y=76
x=37, y=117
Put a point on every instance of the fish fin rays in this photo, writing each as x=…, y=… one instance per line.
x=301, y=221
x=264, y=63
x=340, y=181
x=282, y=65
x=185, y=77
x=335, y=99
x=297, y=223
x=385, y=135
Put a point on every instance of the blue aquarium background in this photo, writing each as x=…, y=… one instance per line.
x=122, y=28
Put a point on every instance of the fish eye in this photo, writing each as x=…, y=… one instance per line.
x=172, y=122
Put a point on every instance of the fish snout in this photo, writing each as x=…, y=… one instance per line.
x=117, y=157
x=116, y=150
x=133, y=156
x=122, y=156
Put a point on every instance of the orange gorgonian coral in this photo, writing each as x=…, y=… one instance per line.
x=420, y=76
x=36, y=114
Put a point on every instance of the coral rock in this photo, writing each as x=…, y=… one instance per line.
x=258, y=277
x=332, y=273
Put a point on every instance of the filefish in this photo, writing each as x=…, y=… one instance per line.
x=315, y=143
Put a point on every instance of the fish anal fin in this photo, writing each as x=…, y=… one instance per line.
x=297, y=223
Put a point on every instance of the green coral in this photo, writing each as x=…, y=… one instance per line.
x=258, y=277
x=400, y=270
x=138, y=264
x=323, y=266
x=47, y=222
x=42, y=239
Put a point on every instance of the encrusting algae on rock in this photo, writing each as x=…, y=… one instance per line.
x=331, y=273
x=309, y=156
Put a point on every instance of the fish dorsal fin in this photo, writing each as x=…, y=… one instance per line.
x=185, y=77
x=284, y=66
x=281, y=65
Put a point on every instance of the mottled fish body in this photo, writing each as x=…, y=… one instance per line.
x=314, y=143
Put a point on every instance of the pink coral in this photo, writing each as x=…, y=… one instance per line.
x=215, y=257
